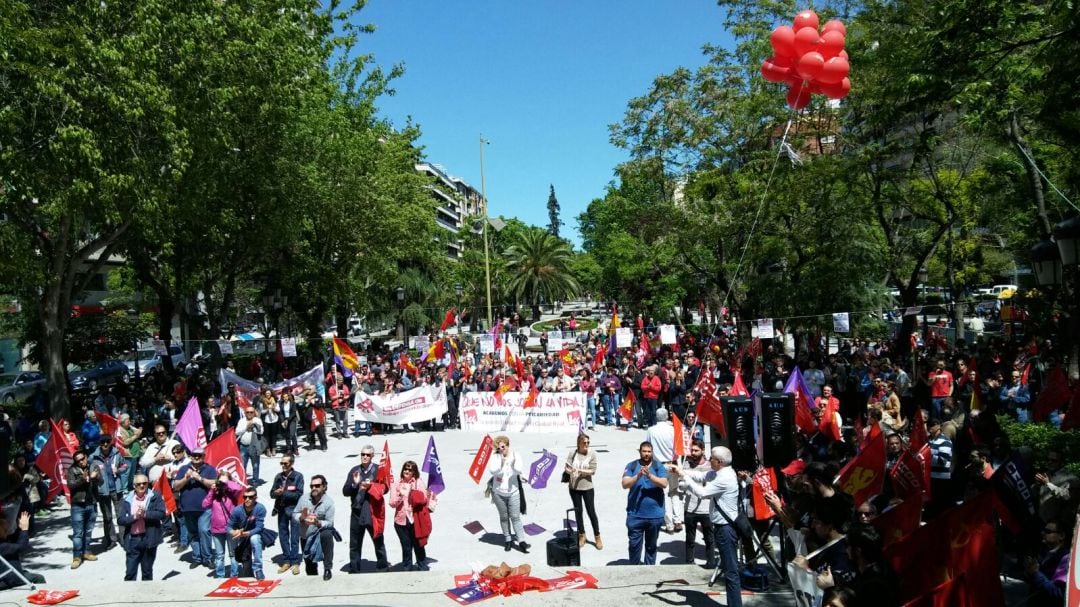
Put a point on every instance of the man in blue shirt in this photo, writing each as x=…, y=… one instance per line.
x=191, y=483
x=647, y=481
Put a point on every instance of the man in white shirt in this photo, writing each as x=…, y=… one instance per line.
x=662, y=437
x=721, y=485
x=158, y=453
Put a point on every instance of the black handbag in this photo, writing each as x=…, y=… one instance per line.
x=741, y=522
x=521, y=495
x=269, y=537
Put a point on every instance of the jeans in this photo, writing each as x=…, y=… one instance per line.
x=83, y=517
x=319, y=546
x=935, y=407
x=255, y=554
x=611, y=404
x=639, y=530
x=407, y=536
x=140, y=554
x=182, y=536
x=648, y=412
x=222, y=543
x=246, y=456
x=341, y=417
x=198, y=529
x=509, y=507
x=590, y=406
x=106, y=503
x=726, y=542
x=289, y=431
x=289, y=537
x=129, y=474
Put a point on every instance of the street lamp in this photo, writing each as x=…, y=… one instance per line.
x=133, y=314
x=401, y=307
x=1067, y=235
x=487, y=255
x=1046, y=261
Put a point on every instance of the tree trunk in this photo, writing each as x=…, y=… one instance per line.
x=166, y=309
x=1033, y=175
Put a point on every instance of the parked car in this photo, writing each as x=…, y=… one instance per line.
x=150, y=361
x=18, y=386
x=104, y=373
x=1000, y=291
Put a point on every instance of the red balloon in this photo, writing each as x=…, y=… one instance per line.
x=806, y=40
x=810, y=65
x=806, y=18
x=834, y=70
x=844, y=55
x=783, y=41
x=834, y=25
x=776, y=69
x=832, y=42
x=838, y=90
x=798, y=96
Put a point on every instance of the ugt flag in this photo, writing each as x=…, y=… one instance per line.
x=540, y=470
x=433, y=468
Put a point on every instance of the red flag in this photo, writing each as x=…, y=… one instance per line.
x=385, y=473
x=681, y=437
x=566, y=357
x=738, y=388
x=111, y=427
x=1055, y=393
x=1025, y=375
x=480, y=462
x=54, y=461
x=711, y=411
x=626, y=409
x=530, y=400
x=804, y=419
x=961, y=540
x=864, y=476
x=598, y=360
x=407, y=364
x=764, y=481
x=952, y=593
x=828, y=425
x=1072, y=416
x=508, y=383
x=908, y=476
x=223, y=454
x=894, y=524
x=919, y=436
x=164, y=489
x=448, y=320
x=318, y=418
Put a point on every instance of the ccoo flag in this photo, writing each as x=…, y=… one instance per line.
x=433, y=468
x=540, y=470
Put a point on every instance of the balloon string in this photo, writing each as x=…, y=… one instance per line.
x=761, y=206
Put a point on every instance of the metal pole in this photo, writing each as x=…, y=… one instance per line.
x=487, y=259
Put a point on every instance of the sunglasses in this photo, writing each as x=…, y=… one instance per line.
x=367, y=455
x=250, y=497
x=159, y=434
x=196, y=456
x=315, y=486
x=140, y=484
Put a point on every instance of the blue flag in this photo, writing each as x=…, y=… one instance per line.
x=433, y=468
x=540, y=470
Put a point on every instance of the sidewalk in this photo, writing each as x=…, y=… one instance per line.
x=451, y=547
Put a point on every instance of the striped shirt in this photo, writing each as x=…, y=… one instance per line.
x=941, y=457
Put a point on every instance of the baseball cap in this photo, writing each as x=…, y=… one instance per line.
x=795, y=467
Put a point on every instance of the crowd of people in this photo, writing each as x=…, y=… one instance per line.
x=953, y=391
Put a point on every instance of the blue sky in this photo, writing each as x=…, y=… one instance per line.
x=540, y=80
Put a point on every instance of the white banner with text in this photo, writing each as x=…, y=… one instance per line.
x=553, y=412
x=409, y=407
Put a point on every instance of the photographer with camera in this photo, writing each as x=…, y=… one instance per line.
x=220, y=501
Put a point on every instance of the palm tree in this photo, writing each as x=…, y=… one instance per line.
x=538, y=265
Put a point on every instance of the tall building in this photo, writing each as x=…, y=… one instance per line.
x=455, y=200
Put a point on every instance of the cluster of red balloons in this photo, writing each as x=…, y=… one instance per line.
x=808, y=61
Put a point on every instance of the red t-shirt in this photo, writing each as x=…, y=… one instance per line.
x=940, y=384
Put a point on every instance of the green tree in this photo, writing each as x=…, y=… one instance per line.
x=538, y=264
x=553, y=213
x=91, y=144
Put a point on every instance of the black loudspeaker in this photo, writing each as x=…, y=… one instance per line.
x=564, y=551
x=739, y=423
x=777, y=429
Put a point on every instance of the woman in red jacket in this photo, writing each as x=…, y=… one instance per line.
x=412, y=502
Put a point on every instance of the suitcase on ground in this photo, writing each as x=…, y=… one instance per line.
x=564, y=551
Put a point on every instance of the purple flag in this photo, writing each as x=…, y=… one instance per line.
x=797, y=385
x=433, y=468
x=190, y=428
x=540, y=470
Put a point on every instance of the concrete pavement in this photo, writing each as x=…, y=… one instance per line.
x=451, y=548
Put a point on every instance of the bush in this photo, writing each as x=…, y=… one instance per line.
x=1042, y=437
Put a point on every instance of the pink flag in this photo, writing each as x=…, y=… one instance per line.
x=190, y=428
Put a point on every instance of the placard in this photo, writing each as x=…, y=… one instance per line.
x=667, y=334
x=555, y=344
x=486, y=343
x=764, y=328
x=288, y=347
x=409, y=407
x=421, y=343
x=224, y=346
x=624, y=337
x=841, y=323
x=159, y=347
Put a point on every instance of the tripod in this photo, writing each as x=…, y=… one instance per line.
x=755, y=541
x=9, y=568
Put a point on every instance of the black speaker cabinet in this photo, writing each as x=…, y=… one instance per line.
x=777, y=429
x=739, y=423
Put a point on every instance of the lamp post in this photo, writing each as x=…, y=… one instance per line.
x=400, y=291
x=457, y=301
x=923, y=277
x=487, y=255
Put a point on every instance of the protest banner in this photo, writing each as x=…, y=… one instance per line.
x=624, y=337
x=552, y=412
x=667, y=334
x=313, y=375
x=408, y=407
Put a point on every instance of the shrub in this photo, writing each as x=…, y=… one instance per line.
x=1042, y=437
